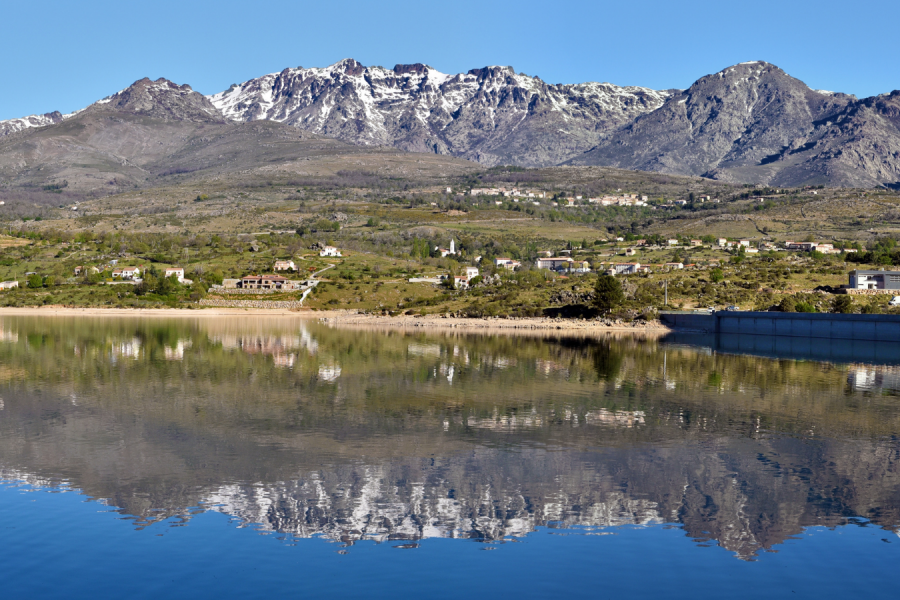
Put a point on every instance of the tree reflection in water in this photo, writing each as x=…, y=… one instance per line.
x=358, y=434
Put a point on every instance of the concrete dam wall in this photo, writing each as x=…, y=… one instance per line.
x=884, y=328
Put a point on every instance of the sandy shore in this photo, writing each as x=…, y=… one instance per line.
x=523, y=323
x=160, y=312
x=351, y=318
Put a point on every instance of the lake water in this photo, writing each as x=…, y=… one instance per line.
x=255, y=456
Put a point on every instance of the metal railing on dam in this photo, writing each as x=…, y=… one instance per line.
x=884, y=328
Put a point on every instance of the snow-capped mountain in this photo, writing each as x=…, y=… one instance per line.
x=749, y=123
x=13, y=125
x=492, y=115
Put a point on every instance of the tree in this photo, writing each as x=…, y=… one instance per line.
x=35, y=281
x=842, y=304
x=608, y=293
x=788, y=304
x=716, y=275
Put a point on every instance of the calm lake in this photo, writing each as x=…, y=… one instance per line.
x=255, y=456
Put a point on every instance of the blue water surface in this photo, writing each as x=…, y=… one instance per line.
x=60, y=545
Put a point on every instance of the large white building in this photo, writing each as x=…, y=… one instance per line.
x=557, y=263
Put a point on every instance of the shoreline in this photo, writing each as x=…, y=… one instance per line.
x=354, y=319
x=492, y=323
x=155, y=312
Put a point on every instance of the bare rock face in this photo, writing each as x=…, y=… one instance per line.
x=728, y=125
x=753, y=123
x=857, y=147
x=144, y=135
x=14, y=125
x=492, y=115
x=161, y=99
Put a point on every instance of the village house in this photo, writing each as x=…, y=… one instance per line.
x=874, y=280
x=126, y=273
x=722, y=242
x=672, y=242
x=460, y=282
x=630, y=252
x=471, y=272
x=507, y=263
x=8, y=285
x=802, y=246
x=623, y=268
x=329, y=251
x=674, y=265
x=284, y=265
x=444, y=252
x=178, y=274
x=83, y=269
x=266, y=282
x=695, y=243
x=582, y=266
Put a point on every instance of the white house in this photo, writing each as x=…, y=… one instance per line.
x=507, y=263
x=126, y=273
x=722, y=242
x=471, y=272
x=329, y=251
x=284, y=265
x=624, y=268
x=178, y=274
x=8, y=285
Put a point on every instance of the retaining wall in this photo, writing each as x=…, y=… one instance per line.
x=692, y=321
x=279, y=304
x=248, y=291
x=807, y=325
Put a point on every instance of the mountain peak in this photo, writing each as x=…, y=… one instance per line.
x=349, y=66
x=162, y=99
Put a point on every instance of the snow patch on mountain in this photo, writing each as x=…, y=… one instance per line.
x=487, y=114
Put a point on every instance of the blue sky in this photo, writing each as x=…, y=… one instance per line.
x=65, y=55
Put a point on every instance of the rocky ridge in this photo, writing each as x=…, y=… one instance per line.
x=492, y=115
x=749, y=123
x=754, y=123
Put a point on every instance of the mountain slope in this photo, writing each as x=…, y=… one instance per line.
x=150, y=132
x=728, y=125
x=857, y=147
x=491, y=115
x=13, y=125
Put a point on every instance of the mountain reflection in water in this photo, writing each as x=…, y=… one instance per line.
x=365, y=435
